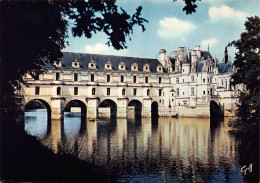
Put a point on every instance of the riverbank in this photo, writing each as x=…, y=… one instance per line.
x=24, y=158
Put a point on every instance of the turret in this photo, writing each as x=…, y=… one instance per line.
x=226, y=55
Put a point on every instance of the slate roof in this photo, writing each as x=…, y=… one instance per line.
x=222, y=67
x=85, y=58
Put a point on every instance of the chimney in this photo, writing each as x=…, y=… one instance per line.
x=162, y=54
x=181, y=51
x=197, y=48
x=194, y=56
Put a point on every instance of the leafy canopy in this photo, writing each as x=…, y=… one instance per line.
x=35, y=31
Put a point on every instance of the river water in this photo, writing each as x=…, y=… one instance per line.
x=167, y=150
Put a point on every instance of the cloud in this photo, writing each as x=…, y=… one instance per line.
x=171, y=28
x=211, y=42
x=100, y=48
x=225, y=12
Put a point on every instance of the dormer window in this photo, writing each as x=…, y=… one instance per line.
x=57, y=63
x=159, y=68
x=146, y=68
x=75, y=64
x=121, y=66
x=108, y=66
x=92, y=64
x=134, y=67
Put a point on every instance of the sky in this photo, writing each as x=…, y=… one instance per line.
x=214, y=24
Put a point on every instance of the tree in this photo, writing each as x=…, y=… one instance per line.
x=190, y=6
x=33, y=34
x=247, y=61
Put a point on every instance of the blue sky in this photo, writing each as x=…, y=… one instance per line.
x=216, y=22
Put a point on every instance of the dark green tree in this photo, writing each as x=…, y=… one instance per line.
x=33, y=34
x=190, y=6
x=247, y=62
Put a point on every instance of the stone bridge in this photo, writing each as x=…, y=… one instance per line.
x=91, y=107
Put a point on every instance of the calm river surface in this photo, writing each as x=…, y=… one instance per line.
x=171, y=150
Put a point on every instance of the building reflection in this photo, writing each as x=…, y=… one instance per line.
x=185, y=146
x=53, y=136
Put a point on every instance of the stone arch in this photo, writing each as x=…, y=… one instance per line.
x=155, y=109
x=30, y=105
x=137, y=107
x=110, y=105
x=78, y=104
x=215, y=109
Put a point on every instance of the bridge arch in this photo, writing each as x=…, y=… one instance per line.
x=137, y=105
x=155, y=109
x=215, y=110
x=73, y=106
x=39, y=104
x=110, y=105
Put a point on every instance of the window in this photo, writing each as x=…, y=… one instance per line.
x=148, y=92
x=93, y=91
x=204, y=92
x=37, y=90
x=160, y=80
x=177, y=80
x=108, y=78
x=122, y=79
x=75, y=64
x=222, y=82
x=182, y=70
x=134, y=79
x=75, y=77
x=76, y=90
x=183, y=80
x=192, y=78
x=134, y=91
x=123, y=92
x=208, y=92
x=183, y=93
x=146, y=79
x=204, y=80
x=160, y=92
x=192, y=91
x=108, y=91
x=58, y=91
x=226, y=85
x=57, y=76
x=92, y=77
x=178, y=91
x=211, y=91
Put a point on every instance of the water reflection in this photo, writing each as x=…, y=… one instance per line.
x=182, y=150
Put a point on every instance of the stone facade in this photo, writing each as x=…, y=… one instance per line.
x=184, y=83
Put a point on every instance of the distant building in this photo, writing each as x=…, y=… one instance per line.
x=185, y=83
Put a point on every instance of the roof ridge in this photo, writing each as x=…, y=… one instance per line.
x=110, y=55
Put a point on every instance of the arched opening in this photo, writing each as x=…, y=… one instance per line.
x=134, y=109
x=107, y=109
x=37, y=117
x=215, y=112
x=155, y=113
x=75, y=108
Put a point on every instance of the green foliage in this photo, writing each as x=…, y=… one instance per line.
x=247, y=63
x=33, y=34
x=190, y=6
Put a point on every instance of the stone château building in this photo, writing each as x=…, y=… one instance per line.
x=185, y=83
